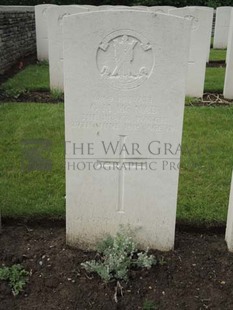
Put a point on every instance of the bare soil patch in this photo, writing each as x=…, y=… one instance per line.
x=196, y=275
x=216, y=64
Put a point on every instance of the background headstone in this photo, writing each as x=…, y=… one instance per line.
x=228, y=83
x=229, y=227
x=161, y=9
x=55, y=15
x=41, y=31
x=124, y=84
x=210, y=17
x=222, y=24
x=120, y=7
x=198, y=46
x=139, y=7
x=229, y=36
x=90, y=7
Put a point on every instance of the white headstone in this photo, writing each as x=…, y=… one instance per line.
x=139, y=7
x=132, y=8
x=221, y=30
x=41, y=31
x=198, y=46
x=228, y=83
x=104, y=7
x=230, y=35
x=209, y=17
x=117, y=7
x=124, y=85
x=90, y=7
x=161, y=9
x=55, y=15
x=229, y=227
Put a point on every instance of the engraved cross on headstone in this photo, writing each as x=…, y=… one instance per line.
x=121, y=178
x=121, y=175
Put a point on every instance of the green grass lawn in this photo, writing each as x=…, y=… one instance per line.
x=205, y=167
x=32, y=78
x=36, y=78
x=206, y=164
x=217, y=54
x=31, y=193
x=214, y=80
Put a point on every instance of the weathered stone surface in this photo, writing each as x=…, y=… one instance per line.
x=55, y=15
x=228, y=83
x=42, y=31
x=161, y=9
x=230, y=35
x=198, y=48
x=124, y=84
x=210, y=17
x=222, y=24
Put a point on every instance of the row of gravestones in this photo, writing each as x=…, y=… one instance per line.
x=199, y=42
x=125, y=74
x=49, y=21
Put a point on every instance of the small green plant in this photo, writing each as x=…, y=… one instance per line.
x=14, y=92
x=17, y=277
x=149, y=305
x=116, y=256
x=162, y=261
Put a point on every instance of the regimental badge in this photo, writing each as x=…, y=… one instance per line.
x=125, y=59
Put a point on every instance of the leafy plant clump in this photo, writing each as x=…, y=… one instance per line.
x=14, y=92
x=116, y=256
x=17, y=277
